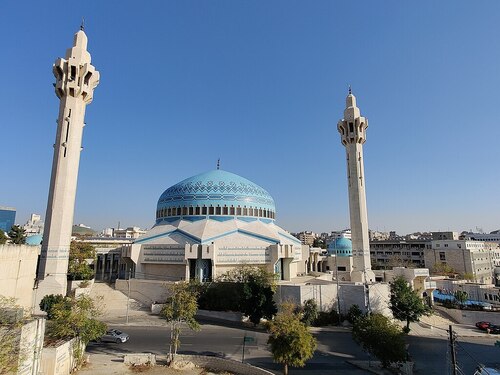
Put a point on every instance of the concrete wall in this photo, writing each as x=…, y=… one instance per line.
x=144, y=291
x=471, y=317
x=58, y=359
x=31, y=345
x=221, y=364
x=18, y=272
x=326, y=296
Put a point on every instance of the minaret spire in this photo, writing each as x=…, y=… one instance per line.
x=352, y=129
x=82, y=25
x=218, y=164
x=76, y=79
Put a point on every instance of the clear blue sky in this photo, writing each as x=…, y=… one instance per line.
x=262, y=84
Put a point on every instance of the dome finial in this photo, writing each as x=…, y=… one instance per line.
x=350, y=91
x=218, y=164
x=82, y=25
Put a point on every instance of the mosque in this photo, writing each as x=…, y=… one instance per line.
x=212, y=222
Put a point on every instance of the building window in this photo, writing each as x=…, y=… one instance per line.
x=204, y=210
x=231, y=210
x=341, y=268
x=211, y=210
x=225, y=210
x=442, y=255
x=191, y=210
x=197, y=210
x=238, y=210
x=218, y=210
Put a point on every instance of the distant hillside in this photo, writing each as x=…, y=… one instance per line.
x=82, y=231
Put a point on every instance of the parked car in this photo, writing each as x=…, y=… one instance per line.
x=483, y=326
x=114, y=335
x=494, y=329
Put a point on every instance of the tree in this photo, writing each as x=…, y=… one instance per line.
x=443, y=269
x=180, y=308
x=318, y=242
x=3, y=237
x=405, y=303
x=76, y=317
x=17, y=235
x=290, y=341
x=309, y=312
x=461, y=297
x=78, y=267
x=381, y=338
x=48, y=302
x=257, y=291
x=354, y=313
x=12, y=352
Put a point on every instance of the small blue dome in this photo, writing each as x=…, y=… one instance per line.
x=218, y=193
x=341, y=246
x=36, y=239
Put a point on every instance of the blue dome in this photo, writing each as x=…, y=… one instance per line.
x=217, y=193
x=341, y=246
x=36, y=239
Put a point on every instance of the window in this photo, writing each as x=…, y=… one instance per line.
x=204, y=210
x=442, y=255
x=341, y=268
x=197, y=210
x=191, y=210
x=211, y=210
x=225, y=210
x=218, y=210
x=238, y=210
x=351, y=127
x=231, y=210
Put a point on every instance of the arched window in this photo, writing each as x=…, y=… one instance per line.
x=218, y=210
x=225, y=210
x=204, y=210
x=211, y=210
x=191, y=210
x=197, y=210
x=260, y=212
x=245, y=211
x=238, y=210
x=231, y=210
x=184, y=210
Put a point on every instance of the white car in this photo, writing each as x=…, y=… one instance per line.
x=114, y=335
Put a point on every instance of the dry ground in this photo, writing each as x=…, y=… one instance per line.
x=102, y=365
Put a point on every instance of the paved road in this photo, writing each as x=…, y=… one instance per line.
x=330, y=358
x=334, y=348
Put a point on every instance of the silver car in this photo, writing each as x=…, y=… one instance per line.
x=114, y=335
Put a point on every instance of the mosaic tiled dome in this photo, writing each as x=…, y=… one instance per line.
x=217, y=193
x=341, y=246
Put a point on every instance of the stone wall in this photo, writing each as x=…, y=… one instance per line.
x=31, y=344
x=144, y=291
x=18, y=272
x=58, y=359
x=326, y=296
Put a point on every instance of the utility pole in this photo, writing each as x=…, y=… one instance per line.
x=452, y=350
x=128, y=294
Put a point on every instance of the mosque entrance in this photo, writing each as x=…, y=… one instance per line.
x=200, y=269
x=278, y=268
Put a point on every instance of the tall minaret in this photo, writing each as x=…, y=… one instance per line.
x=352, y=129
x=76, y=80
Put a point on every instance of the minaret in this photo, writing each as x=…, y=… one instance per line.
x=76, y=80
x=352, y=129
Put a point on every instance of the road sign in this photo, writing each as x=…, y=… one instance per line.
x=248, y=339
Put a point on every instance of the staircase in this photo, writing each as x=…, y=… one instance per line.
x=114, y=303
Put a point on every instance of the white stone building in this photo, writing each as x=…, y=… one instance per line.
x=475, y=258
